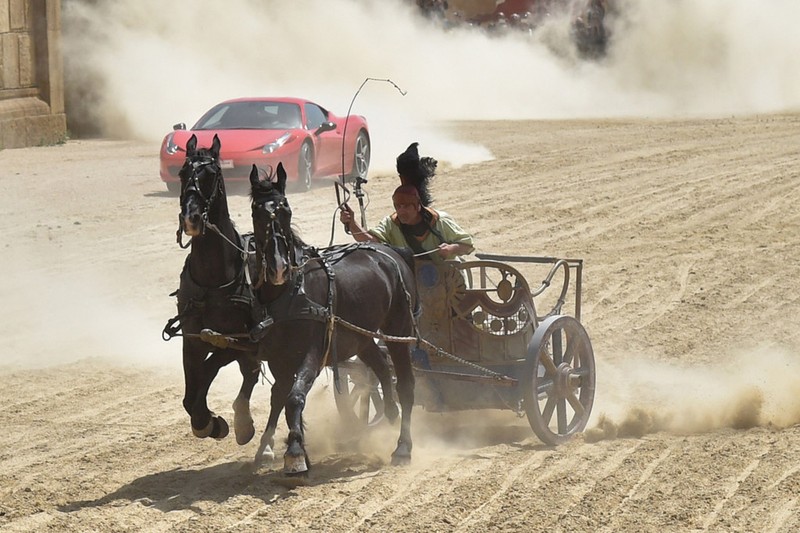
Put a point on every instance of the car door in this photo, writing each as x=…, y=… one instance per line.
x=327, y=145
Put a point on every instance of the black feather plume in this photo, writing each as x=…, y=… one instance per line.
x=417, y=172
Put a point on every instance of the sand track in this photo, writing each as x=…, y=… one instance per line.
x=689, y=230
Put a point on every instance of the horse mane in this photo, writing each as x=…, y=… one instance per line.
x=297, y=239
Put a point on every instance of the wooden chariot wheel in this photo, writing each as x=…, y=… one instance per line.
x=359, y=399
x=558, y=382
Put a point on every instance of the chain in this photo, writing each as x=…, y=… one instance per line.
x=409, y=340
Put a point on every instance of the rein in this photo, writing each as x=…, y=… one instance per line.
x=429, y=252
x=241, y=250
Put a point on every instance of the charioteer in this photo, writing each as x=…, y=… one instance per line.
x=430, y=233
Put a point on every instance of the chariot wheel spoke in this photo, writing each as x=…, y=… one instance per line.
x=576, y=404
x=549, y=407
x=549, y=365
x=561, y=415
x=364, y=400
x=573, y=348
x=351, y=398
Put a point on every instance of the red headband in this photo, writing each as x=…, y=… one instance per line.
x=406, y=192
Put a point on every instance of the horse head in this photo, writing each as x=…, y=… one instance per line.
x=201, y=183
x=272, y=220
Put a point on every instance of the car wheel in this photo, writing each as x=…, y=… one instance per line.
x=174, y=187
x=305, y=167
x=361, y=157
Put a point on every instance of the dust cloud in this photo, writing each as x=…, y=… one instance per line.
x=75, y=315
x=750, y=389
x=435, y=434
x=135, y=68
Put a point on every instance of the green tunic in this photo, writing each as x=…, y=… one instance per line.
x=389, y=231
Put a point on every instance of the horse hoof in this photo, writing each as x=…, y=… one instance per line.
x=401, y=454
x=204, y=432
x=221, y=429
x=294, y=465
x=258, y=462
x=243, y=421
x=400, y=460
x=244, y=435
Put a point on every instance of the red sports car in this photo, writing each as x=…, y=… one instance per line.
x=309, y=140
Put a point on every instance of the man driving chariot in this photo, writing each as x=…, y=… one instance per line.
x=430, y=233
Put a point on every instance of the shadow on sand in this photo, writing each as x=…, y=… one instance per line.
x=181, y=489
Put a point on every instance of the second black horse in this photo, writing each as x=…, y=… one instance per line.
x=306, y=294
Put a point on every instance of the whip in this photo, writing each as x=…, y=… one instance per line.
x=342, y=192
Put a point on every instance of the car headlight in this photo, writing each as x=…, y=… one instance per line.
x=171, y=147
x=277, y=143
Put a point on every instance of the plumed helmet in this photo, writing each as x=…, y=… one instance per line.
x=417, y=172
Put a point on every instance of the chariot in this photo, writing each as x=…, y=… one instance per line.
x=484, y=345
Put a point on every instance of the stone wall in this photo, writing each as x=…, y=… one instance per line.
x=31, y=74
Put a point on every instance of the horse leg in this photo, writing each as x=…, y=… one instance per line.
x=373, y=357
x=277, y=401
x=243, y=425
x=193, y=357
x=197, y=381
x=405, y=393
x=295, y=460
x=204, y=422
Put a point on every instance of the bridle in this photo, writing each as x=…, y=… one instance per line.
x=274, y=236
x=192, y=185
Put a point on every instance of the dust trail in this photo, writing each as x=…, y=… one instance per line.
x=60, y=317
x=637, y=397
x=136, y=68
x=435, y=434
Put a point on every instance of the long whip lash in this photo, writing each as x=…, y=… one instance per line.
x=341, y=202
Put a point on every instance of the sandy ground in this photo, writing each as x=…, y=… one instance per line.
x=689, y=230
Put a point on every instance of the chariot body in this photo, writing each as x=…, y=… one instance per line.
x=484, y=345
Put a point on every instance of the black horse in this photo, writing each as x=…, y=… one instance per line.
x=215, y=293
x=305, y=293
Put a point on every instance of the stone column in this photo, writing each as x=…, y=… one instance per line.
x=31, y=74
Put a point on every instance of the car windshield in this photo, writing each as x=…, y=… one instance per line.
x=251, y=116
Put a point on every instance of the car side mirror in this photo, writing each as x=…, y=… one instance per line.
x=325, y=126
x=179, y=126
